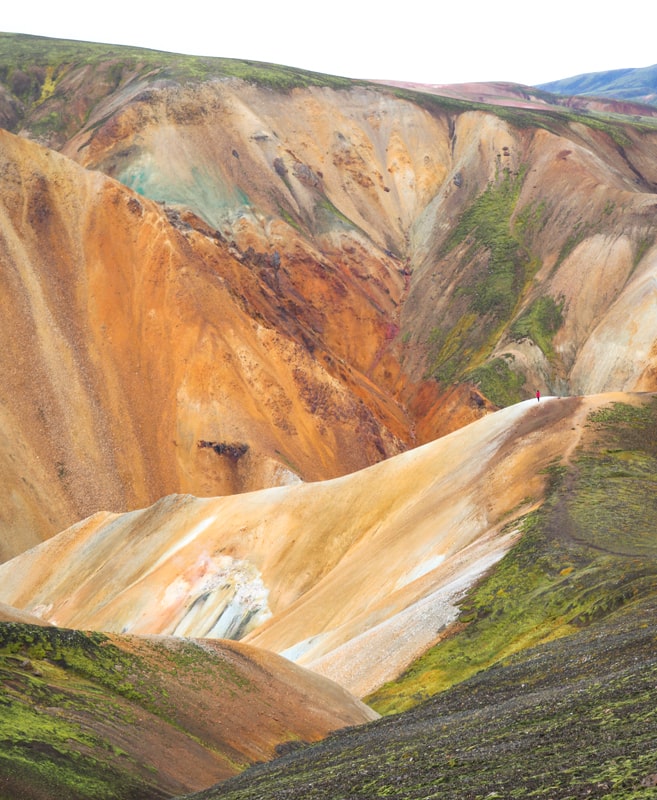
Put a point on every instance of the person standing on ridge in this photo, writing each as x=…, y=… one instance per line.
x=538, y=395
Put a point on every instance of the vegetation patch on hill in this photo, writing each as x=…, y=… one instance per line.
x=53, y=84
x=497, y=266
x=86, y=716
x=540, y=323
x=589, y=550
x=64, y=692
x=41, y=59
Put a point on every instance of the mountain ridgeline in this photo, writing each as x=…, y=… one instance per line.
x=634, y=85
x=270, y=348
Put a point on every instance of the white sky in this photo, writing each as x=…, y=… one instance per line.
x=445, y=41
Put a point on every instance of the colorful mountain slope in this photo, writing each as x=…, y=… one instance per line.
x=333, y=574
x=297, y=276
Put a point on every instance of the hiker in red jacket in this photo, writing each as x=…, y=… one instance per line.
x=538, y=394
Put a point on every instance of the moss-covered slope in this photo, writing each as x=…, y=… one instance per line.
x=86, y=716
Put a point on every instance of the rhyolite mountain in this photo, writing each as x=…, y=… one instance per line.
x=550, y=655
x=267, y=342
x=219, y=276
x=353, y=577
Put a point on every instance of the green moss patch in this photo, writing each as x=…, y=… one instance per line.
x=501, y=384
x=540, y=323
x=60, y=690
x=72, y=703
x=496, y=267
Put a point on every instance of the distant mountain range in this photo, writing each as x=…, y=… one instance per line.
x=635, y=85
